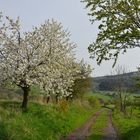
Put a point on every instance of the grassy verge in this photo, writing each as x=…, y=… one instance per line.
x=48, y=122
x=99, y=126
x=128, y=127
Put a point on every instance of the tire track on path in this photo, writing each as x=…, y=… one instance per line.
x=110, y=132
x=83, y=132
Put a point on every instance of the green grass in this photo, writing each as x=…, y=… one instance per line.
x=53, y=121
x=99, y=126
x=104, y=96
x=100, y=95
x=41, y=122
x=128, y=127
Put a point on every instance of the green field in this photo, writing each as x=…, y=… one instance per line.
x=54, y=121
x=128, y=127
x=48, y=122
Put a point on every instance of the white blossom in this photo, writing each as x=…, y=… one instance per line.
x=44, y=56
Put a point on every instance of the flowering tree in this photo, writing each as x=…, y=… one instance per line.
x=64, y=78
x=43, y=56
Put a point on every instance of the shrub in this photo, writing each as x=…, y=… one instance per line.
x=94, y=102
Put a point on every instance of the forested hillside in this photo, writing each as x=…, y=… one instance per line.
x=111, y=82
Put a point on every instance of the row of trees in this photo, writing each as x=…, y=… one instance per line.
x=43, y=56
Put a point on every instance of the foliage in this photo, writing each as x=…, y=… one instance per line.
x=137, y=79
x=128, y=128
x=109, y=83
x=94, y=102
x=119, y=27
x=81, y=86
x=44, y=57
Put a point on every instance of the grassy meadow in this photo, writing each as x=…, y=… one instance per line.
x=49, y=122
x=54, y=121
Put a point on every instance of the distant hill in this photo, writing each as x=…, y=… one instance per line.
x=113, y=82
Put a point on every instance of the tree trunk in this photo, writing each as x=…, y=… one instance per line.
x=25, y=97
x=121, y=102
x=56, y=98
x=124, y=104
x=48, y=99
x=67, y=98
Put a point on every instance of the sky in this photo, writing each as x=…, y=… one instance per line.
x=73, y=16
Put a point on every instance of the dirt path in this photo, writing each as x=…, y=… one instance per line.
x=84, y=131
x=110, y=132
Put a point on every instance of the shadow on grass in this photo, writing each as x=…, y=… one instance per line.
x=133, y=134
x=10, y=104
x=94, y=137
x=3, y=132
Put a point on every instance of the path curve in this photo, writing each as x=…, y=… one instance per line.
x=83, y=132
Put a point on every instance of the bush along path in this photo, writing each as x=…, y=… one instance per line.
x=110, y=132
x=83, y=132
